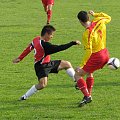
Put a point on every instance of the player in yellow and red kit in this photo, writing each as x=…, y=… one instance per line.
x=47, y=4
x=96, y=55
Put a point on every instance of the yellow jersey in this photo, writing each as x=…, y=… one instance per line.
x=94, y=37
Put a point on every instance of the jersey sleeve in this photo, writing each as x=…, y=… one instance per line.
x=102, y=16
x=51, y=49
x=28, y=49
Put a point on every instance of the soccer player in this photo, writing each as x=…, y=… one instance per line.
x=96, y=54
x=47, y=4
x=43, y=65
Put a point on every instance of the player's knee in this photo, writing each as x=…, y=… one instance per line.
x=89, y=74
x=50, y=7
x=79, y=72
x=64, y=65
x=67, y=64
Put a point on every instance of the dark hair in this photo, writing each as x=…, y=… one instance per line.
x=83, y=16
x=47, y=29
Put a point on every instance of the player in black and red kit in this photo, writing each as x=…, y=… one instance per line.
x=43, y=65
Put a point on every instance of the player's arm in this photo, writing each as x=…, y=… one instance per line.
x=50, y=48
x=28, y=49
x=88, y=51
x=101, y=15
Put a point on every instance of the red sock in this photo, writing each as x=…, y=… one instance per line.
x=83, y=87
x=90, y=82
x=49, y=14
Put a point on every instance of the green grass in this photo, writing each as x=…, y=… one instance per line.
x=20, y=22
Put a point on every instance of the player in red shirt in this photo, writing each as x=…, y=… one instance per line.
x=47, y=4
x=43, y=65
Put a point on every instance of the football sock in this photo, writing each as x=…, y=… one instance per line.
x=83, y=87
x=31, y=91
x=49, y=14
x=89, y=82
x=71, y=73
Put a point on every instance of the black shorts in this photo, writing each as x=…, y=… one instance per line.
x=42, y=70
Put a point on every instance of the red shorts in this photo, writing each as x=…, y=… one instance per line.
x=48, y=2
x=96, y=61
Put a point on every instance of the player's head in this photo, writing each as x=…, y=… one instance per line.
x=47, y=32
x=47, y=29
x=83, y=16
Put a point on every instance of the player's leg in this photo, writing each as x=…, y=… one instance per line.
x=41, y=84
x=50, y=4
x=44, y=5
x=81, y=84
x=68, y=67
x=49, y=13
x=90, y=82
x=42, y=74
x=96, y=61
x=45, y=8
x=79, y=74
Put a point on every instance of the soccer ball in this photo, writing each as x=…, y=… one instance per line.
x=113, y=63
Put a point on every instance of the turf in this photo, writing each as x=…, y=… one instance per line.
x=20, y=22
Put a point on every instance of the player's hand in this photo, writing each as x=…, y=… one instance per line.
x=91, y=12
x=77, y=42
x=16, y=60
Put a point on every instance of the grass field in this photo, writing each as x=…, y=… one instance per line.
x=20, y=22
